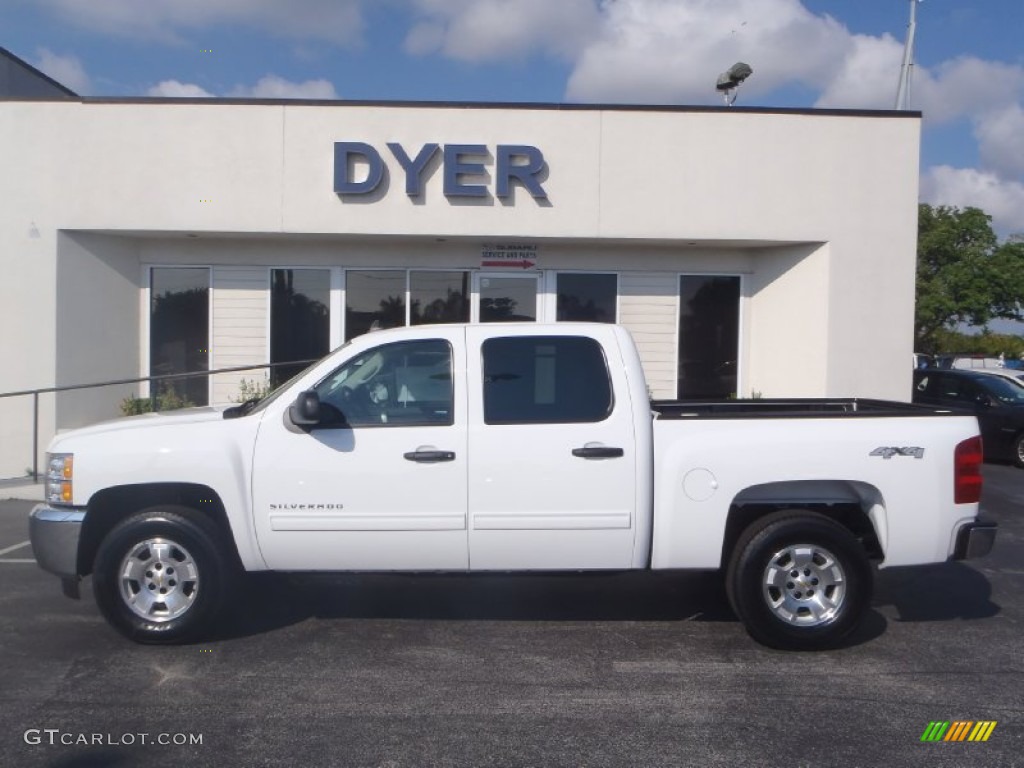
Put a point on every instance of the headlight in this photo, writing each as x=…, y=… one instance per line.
x=59, y=480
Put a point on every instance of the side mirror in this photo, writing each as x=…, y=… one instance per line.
x=305, y=411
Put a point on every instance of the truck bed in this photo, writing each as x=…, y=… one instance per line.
x=811, y=408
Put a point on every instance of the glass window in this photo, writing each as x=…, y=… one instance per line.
x=508, y=299
x=373, y=299
x=438, y=297
x=709, y=326
x=299, y=319
x=545, y=380
x=587, y=297
x=406, y=384
x=179, y=331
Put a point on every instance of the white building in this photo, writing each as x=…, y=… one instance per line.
x=749, y=251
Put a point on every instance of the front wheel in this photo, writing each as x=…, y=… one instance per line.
x=799, y=581
x=160, y=575
x=1018, y=450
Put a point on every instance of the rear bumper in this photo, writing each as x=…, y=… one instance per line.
x=54, y=533
x=974, y=540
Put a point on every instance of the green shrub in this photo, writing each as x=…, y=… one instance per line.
x=251, y=390
x=166, y=400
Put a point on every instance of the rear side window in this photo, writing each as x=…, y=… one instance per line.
x=545, y=380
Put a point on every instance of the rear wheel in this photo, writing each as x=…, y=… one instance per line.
x=799, y=581
x=1018, y=450
x=161, y=576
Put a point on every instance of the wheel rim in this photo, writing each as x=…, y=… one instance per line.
x=804, y=585
x=159, y=580
x=1020, y=451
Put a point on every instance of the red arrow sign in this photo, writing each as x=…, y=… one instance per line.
x=521, y=263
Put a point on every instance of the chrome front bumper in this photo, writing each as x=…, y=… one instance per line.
x=54, y=532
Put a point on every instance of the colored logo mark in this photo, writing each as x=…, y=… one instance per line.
x=958, y=730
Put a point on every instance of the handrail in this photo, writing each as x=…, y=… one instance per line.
x=114, y=382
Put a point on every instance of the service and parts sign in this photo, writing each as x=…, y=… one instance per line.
x=508, y=256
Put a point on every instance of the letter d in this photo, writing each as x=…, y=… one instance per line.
x=346, y=155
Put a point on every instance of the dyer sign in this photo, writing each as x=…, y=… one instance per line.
x=465, y=168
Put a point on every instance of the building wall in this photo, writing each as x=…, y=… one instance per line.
x=649, y=308
x=816, y=212
x=239, y=327
x=97, y=339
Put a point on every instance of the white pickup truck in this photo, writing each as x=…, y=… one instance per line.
x=508, y=447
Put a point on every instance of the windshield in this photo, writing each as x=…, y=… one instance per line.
x=1005, y=391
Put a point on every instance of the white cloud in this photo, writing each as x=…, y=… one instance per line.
x=337, y=21
x=1000, y=136
x=1001, y=199
x=267, y=87
x=274, y=87
x=671, y=51
x=965, y=86
x=175, y=90
x=867, y=75
x=66, y=70
x=496, y=30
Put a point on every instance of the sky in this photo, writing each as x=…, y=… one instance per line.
x=968, y=78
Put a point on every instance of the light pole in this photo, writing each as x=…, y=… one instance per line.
x=903, y=90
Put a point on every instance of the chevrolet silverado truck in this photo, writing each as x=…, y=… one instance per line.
x=508, y=447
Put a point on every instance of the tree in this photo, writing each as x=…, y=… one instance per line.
x=964, y=276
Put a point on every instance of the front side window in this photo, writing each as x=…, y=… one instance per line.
x=405, y=384
x=179, y=332
x=1005, y=391
x=545, y=380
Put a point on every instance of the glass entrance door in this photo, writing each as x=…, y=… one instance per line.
x=505, y=298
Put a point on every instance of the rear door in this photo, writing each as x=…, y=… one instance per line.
x=552, y=463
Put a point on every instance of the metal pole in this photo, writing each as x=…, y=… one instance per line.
x=903, y=91
x=35, y=437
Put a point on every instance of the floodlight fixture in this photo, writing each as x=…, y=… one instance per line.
x=730, y=81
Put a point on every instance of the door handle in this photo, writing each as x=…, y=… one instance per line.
x=598, y=452
x=430, y=457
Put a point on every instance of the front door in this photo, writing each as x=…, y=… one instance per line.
x=552, y=458
x=380, y=484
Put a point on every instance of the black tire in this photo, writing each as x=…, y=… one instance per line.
x=799, y=581
x=162, y=575
x=1018, y=450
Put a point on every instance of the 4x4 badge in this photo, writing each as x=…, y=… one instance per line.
x=888, y=453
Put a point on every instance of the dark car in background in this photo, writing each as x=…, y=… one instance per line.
x=997, y=402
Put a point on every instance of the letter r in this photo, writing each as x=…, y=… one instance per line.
x=528, y=173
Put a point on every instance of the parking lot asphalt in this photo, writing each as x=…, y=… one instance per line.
x=615, y=670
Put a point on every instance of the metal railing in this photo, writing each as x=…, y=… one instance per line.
x=35, y=393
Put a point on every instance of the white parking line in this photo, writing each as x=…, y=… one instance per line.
x=16, y=546
x=27, y=560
